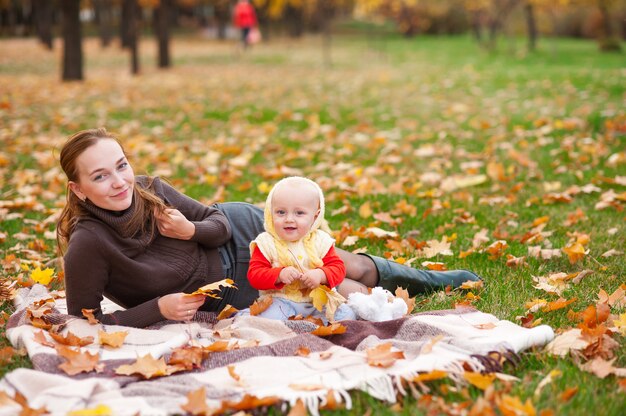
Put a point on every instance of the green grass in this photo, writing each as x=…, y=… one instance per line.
x=389, y=111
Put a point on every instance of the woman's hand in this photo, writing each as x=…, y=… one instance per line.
x=172, y=223
x=288, y=275
x=313, y=278
x=179, y=306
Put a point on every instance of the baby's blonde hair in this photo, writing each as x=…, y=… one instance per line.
x=284, y=256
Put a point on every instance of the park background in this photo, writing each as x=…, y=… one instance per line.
x=486, y=135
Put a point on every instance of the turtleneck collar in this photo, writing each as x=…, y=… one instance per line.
x=115, y=219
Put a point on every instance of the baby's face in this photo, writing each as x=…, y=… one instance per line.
x=294, y=210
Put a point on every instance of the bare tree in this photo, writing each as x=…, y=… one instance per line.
x=72, y=41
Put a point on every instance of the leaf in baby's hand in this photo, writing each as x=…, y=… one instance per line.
x=88, y=313
x=227, y=312
x=260, y=305
x=112, y=339
x=323, y=296
x=332, y=329
x=196, y=403
x=146, y=366
x=382, y=356
x=78, y=362
x=211, y=288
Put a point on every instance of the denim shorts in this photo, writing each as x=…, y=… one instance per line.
x=246, y=223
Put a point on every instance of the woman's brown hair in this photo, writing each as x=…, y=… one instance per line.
x=146, y=203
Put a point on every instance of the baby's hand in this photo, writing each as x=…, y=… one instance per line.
x=313, y=278
x=288, y=275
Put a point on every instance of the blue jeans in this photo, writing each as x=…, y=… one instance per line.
x=281, y=309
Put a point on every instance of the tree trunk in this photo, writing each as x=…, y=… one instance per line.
x=125, y=23
x=133, y=34
x=606, y=19
x=72, y=47
x=44, y=12
x=162, y=29
x=531, y=24
x=103, y=21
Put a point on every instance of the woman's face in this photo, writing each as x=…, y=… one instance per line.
x=104, y=176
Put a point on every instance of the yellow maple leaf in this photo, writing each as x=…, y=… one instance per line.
x=99, y=410
x=42, y=276
x=620, y=324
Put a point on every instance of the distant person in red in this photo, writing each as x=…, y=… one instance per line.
x=244, y=17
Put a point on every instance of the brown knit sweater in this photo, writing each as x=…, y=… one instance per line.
x=133, y=272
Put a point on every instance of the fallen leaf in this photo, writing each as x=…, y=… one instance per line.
x=431, y=375
x=382, y=356
x=146, y=366
x=260, y=305
x=88, y=313
x=112, y=339
x=227, y=312
x=99, y=410
x=42, y=276
x=196, y=403
x=78, y=362
x=332, y=329
x=567, y=395
x=70, y=339
x=482, y=381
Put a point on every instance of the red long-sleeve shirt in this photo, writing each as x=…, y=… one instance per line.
x=263, y=276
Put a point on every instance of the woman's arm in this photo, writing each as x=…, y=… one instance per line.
x=86, y=270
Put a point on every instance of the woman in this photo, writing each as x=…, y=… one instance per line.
x=143, y=244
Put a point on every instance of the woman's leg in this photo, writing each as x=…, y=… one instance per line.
x=376, y=271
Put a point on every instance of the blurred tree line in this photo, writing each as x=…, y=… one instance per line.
x=126, y=20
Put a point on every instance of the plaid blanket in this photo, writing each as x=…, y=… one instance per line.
x=268, y=362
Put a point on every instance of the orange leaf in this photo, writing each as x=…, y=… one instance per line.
x=404, y=295
x=88, y=313
x=196, y=403
x=227, y=312
x=248, y=402
x=382, y=356
x=513, y=406
x=40, y=337
x=112, y=339
x=260, y=305
x=70, y=339
x=331, y=402
x=432, y=375
x=575, y=252
x=187, y=357
x=482, y=381
x=78, y=362
x=146, y=366
x=332, y=329
x=568, y=394
x=303, y=351
x=211, y=288
x=298, y=409
x=557, y=304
